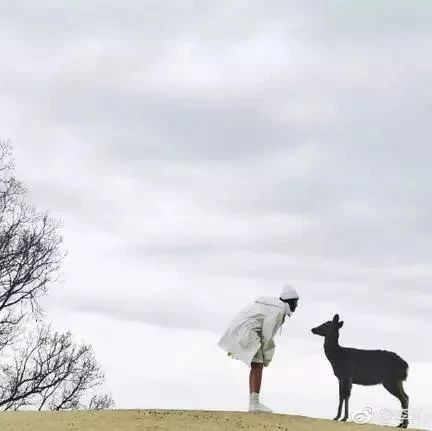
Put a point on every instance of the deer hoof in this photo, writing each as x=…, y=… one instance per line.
x=344, y=419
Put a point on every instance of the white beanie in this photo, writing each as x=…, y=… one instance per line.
x=288, y=292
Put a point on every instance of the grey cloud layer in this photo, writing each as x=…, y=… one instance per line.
x=265, y=141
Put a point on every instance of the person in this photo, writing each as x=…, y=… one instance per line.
x=250, y=337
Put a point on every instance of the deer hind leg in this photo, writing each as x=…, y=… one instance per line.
x=395, y=387
x=405, y=406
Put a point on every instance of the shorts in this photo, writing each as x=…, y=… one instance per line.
x=259, y=357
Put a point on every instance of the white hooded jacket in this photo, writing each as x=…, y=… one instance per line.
x=254, y=328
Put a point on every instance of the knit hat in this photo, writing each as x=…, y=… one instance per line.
x=288, y=292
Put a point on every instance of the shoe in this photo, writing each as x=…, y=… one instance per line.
x=259, y=408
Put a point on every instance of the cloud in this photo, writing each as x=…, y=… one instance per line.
x=202, y=154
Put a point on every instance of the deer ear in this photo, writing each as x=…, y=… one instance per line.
x=340, y=324
x=336, y=318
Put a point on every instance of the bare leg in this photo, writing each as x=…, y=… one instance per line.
x=339, y=412
x=255, y=377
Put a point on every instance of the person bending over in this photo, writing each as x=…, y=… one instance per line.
x=250, y=337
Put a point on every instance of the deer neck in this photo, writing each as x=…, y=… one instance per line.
x=331, y=346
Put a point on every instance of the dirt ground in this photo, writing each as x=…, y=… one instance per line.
x=152, y=420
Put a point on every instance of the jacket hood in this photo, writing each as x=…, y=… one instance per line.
x=274, y=302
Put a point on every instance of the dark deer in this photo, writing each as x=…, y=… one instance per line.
x=363, y=367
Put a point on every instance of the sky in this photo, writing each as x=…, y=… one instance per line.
x=202, y=154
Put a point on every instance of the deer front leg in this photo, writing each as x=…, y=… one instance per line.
x=341, y=399
x=347, y=386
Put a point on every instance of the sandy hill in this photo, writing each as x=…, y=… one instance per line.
x=161, y=420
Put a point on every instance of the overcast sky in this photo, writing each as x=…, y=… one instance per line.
x=201, y=154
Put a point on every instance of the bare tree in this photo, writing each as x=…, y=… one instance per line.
x=30, y=252
x=40, y=369
x=101, y=402
x=50, y=370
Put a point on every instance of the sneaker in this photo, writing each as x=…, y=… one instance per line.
x=259, y=408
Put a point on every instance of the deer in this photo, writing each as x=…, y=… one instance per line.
x=363, y=367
